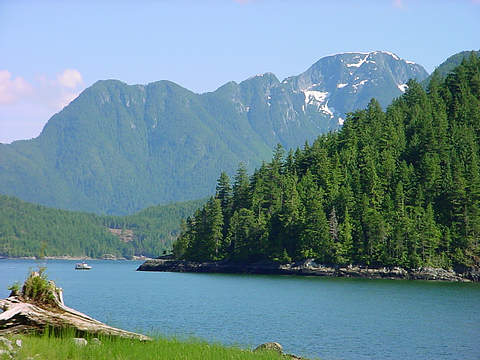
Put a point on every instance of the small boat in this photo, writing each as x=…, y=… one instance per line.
x=82, y=266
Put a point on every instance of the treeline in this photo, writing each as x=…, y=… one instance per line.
x=33, y=230
x=393, y=188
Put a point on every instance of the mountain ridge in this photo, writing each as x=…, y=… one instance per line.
x=118, y=148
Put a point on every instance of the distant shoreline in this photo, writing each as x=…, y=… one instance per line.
x=135, y=258
x=310, y=268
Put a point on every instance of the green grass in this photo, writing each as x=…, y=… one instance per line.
x=62, y=347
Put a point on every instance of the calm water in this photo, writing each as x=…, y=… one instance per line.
x=315, y=317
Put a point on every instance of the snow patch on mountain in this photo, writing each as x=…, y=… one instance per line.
x=361, y=83
x=360, y=63
x=342, y=85
x=318, y=99
x=402, y=87
x=325, y=109
x=312, y=96
x=391, y=54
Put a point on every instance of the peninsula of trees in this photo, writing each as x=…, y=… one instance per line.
x=399, y=187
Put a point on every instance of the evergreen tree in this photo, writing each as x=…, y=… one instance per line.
x=244, y=236
x=333, y=225
x=224, y=194
x=241, y=189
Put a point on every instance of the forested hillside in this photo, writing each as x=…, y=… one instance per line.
x=400, y=187
x=34, y=230
x=449, y=65
x=155, y=228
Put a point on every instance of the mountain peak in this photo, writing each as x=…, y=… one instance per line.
x=369, y=54
x=341, y=83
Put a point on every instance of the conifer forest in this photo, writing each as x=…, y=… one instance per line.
x=399, y=187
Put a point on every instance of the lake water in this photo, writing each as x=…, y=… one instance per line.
x=314, y=317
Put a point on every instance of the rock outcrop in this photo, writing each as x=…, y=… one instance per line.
x=275, y=346
x=9, y=348
x=272, y=346
x=310, y=268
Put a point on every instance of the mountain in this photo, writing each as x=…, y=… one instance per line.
x=450, y=64
x=399, y=187
x=339, y=84
x=118, y=148
x=33, y=230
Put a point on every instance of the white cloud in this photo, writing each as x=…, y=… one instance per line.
x=59, y=92
x=11, y=89
x=70, y=78
x=25, y=106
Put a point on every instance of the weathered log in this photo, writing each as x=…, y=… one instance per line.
x=23, y=314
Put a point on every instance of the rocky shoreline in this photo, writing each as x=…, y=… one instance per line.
x=310, y=268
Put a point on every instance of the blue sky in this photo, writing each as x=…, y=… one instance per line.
x=52, y=50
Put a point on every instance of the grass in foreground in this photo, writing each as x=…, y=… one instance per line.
x=47, y=347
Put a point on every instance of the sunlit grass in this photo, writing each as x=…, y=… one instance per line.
x=47, y=347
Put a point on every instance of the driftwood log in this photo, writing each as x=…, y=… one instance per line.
x=24, y=314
